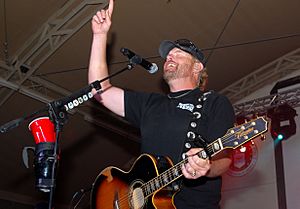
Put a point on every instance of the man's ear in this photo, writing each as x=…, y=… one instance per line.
x=198, y=67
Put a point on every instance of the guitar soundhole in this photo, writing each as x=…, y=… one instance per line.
x=136, y=196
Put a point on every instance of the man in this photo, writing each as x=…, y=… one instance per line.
x=164, y=120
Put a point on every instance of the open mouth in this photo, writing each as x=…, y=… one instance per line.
x=170, y=65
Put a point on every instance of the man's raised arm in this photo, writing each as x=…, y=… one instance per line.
x=110, y=96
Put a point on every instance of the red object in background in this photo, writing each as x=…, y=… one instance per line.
x=42, y=130
x=243, y=160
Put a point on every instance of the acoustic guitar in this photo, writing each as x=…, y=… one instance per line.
x=147, y=185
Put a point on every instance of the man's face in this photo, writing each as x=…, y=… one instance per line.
x=179, y=64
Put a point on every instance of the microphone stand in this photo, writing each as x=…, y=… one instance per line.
x=57, y=111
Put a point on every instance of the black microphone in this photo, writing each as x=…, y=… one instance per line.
x=136, y=59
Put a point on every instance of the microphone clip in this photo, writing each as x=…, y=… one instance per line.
x=135, y=60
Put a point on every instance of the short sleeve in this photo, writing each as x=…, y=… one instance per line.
x=221, y=117
x=135, y=106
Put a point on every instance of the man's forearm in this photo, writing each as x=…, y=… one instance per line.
x=98, y=66
x=218, y=167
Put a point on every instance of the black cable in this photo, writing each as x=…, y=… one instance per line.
x=63, y=71
x=5, y=34
x=253, y=42
x=222, y=31
x=54, y=165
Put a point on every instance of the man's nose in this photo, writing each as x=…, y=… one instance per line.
x=170, y=56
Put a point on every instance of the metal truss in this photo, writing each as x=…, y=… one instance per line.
x=267, y=74
x=60, y=27
x=261, y=105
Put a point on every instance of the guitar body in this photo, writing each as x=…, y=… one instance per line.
x=116, y=189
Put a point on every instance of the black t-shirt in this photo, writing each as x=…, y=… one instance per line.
x=163, y=123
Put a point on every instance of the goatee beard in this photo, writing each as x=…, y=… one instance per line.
x=169, y=76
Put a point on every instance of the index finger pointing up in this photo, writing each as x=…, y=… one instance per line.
x=110, y=7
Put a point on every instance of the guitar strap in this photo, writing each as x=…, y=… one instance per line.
x=193, y=136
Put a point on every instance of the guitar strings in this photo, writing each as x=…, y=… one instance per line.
x=161, y=178
x=169, y=173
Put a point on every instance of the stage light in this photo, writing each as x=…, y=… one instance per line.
x=283, y=124
x=280, y=136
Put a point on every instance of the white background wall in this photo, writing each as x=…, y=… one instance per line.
x=258, y=189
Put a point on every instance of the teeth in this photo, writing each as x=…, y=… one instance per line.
x=171, y=65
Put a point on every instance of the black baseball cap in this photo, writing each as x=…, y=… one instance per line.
x=184, y=44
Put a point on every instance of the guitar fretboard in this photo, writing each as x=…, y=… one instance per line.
x=163, y=179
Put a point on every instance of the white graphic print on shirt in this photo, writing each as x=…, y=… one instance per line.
x=189, y=107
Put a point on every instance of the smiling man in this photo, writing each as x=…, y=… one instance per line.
x=165, y=120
